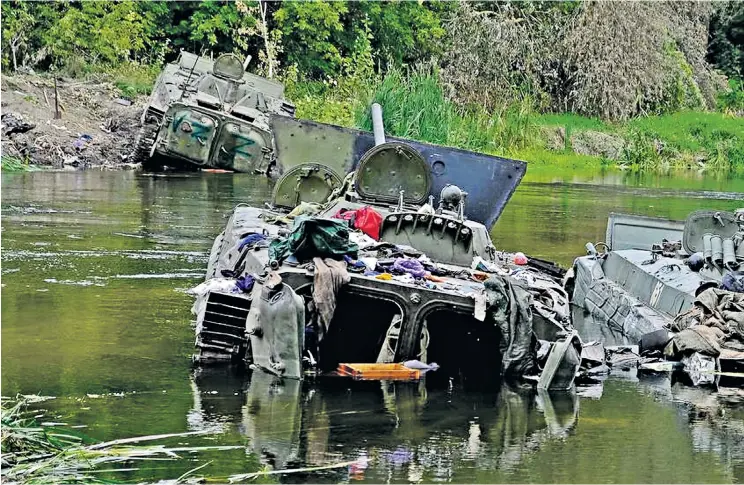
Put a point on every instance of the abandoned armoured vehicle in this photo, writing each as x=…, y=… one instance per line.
x=672, y=286
x=368, y=269
x=211, y=114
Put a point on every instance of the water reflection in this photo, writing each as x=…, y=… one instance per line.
x=140, y=239
x=389, y=428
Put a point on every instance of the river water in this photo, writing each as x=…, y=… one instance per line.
x=94, y=268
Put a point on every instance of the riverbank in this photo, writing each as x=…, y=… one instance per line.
x=107, y=108
x=96, y=129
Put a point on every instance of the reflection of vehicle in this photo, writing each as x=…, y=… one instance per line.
x=384, y=314
x=211, y=114
x=315, y=423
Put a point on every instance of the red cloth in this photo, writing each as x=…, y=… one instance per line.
x=365, y=219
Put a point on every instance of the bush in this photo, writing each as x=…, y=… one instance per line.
x=732, y=99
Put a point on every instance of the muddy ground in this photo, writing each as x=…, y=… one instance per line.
x=97, y=128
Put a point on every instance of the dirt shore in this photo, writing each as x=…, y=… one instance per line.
x=97, y=128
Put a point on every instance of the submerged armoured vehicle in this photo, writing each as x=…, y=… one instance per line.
x=673, y=286
x=212, y=114
x=408, y=284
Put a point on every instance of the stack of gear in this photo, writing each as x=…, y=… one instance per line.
x=715, y=322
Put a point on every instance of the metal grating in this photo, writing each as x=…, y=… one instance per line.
x=222, y=335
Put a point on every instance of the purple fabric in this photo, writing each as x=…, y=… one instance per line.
x=410, y=266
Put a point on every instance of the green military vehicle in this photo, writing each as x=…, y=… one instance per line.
x=210, y=114
x=413, y=280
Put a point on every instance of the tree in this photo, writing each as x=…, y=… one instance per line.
x=99, y=32
x=310, y=33
x=726, y=38
x=17, y=24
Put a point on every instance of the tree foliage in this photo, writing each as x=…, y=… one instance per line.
x=599, y=58
x=726, y=33
x=596, y=57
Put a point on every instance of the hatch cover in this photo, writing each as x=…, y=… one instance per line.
x=388, y=168
x=309, y=182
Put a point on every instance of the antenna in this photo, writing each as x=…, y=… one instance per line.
x=188, y=78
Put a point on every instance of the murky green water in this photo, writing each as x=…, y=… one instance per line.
x=93, y=312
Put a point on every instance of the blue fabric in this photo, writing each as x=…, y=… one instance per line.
x=245, y=283
x=250, y=240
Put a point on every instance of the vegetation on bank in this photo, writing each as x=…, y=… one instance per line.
x=15, y=164
x=543, y=81
x=33, y=453
x=415, y=106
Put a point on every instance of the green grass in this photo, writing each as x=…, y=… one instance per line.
x=691, y=130
x=36, y=454
x=134, y=79
x=15, y=164
x=543, y=157
x=416, y=107
x=573, y=122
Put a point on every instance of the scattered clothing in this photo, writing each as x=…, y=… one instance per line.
x=362, y=240
x=410, y=266
x=303, y=209
x=330, y=276
x=435, y=279
x=250, y=240
x=699, y=338
x=714, y=307
x=481, y=302
x=482, y=265
x=222, y=285
x=404, y=278
x=714, y=323
x=418, y=365
x=370, y=263
x=733, y=281
x=384, y=276
x=245, y=283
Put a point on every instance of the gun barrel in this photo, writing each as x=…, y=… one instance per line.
x=377, y=127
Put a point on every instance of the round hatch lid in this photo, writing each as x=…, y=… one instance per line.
x=228, y=66
x=388, y=168
x=308, y=182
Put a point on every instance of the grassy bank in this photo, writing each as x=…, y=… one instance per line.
x=15, y=164
x=415, y=106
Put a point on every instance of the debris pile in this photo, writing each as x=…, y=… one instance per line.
x=94, y=130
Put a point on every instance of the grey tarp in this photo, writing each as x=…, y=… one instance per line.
x=509, y=309
x=330, y=276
